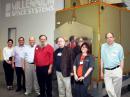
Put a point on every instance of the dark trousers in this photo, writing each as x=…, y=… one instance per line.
x=44, y=81
x=9, y=73
x=20, y=78
x=80, y=90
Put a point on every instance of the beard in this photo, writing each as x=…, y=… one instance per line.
x=43, y=43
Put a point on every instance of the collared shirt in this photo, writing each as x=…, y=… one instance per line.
x=8, y=52
x=43, y=55
x=111, y=55
x=29, y=53
x=19, y=54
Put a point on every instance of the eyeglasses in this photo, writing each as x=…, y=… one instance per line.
x=108, y=37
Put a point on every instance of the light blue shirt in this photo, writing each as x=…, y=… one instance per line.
x=111, y=55
x=29, y=54
x=18, y=54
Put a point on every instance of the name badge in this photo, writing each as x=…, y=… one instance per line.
x=81, y=62
x=59, y=54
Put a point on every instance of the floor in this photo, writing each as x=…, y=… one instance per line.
x=6, y=93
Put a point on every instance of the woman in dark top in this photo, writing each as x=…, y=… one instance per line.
x=83, y=67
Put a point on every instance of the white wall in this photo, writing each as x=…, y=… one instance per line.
x=113, y=1
x=0, y=23
x=127, y=2
x=29, y=25
x=0, y=8
x=59, y=4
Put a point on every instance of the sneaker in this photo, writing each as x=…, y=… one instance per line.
x=26, y=93
x=8, y=87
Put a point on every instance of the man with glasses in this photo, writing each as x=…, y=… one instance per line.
x=43, y=59
x=18, y=55
x=112, y=64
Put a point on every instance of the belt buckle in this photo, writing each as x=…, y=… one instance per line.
x=112, y=68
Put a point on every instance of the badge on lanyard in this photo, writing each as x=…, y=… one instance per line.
x=81, y=62
x=59, y=54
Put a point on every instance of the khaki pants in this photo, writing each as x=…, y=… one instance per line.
x=64, y=85
x=113, y=82
x=31, y=79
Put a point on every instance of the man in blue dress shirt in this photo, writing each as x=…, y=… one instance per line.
x=112, y=63
x=18, y=54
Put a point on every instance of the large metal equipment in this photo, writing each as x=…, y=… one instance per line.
x=103, y=18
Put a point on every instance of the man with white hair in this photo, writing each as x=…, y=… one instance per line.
x=63, y=62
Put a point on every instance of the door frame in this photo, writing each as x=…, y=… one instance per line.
x=9, y=34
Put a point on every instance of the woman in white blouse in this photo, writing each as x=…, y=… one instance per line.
x=7, y=64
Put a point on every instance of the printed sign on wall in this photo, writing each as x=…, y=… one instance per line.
x=24, y=7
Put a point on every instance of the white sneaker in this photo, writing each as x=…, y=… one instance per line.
x=38, y=93
x=26, y=93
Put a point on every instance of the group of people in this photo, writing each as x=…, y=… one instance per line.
x=35, y=64
x=21, y=59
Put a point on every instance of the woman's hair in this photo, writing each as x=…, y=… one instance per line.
x=10, y=40
x=87, y=46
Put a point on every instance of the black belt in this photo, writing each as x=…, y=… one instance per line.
x=31, y=63
x=112, y=68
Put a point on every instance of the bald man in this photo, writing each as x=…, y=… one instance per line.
x=29, y=68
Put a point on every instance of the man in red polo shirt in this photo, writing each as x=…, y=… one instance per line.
x=43, y=59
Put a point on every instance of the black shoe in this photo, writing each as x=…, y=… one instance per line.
x=23, y=88
x=18, y=90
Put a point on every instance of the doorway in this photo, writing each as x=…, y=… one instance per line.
x=12, y=34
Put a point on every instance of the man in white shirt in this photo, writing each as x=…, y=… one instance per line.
x=7, y=64
x=18, y=55
x=29, y=68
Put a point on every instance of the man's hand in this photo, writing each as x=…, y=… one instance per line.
x=72, y=74
x=102, y=75
x=9, y=62
x=13, y=66
x=102, y=69
x=49, y=71
x=23, y=67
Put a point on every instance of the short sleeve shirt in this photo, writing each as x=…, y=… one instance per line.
x=111, y=55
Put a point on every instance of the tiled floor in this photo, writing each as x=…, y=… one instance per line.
x=5, y=93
